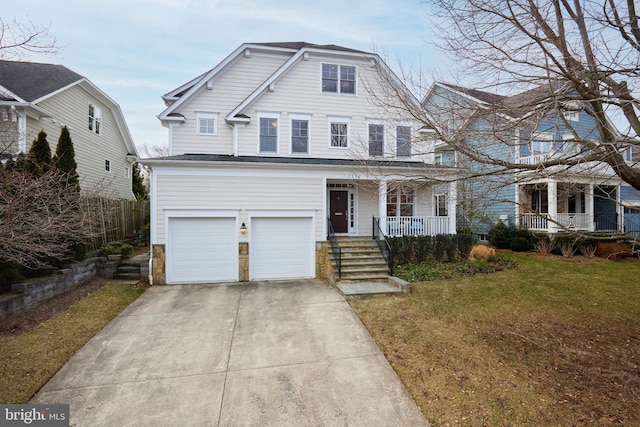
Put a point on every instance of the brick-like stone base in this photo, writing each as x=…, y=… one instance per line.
x=243, y=254
x=158, y=271
x=324, y=270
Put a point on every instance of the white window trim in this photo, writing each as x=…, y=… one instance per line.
x=268, y=115
x=342, y=120
x=436, y=204
x=96, y=120
x=127, y=172
x=437, y=160
x=306, y=117
x=207, y=115
x=384, y=136
x=338, y=92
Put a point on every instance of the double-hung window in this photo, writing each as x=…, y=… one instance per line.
x=338, y=78
x=268, y=137
x=541, y=143
x=338, y=133
x=299, y=135
x=95, y=119
x=376, y=140
x=207, y=123
x=441, y=205
x=403, y=141
x=400, y=201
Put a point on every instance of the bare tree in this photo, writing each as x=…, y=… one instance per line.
x=40, y=218
x=19, y=39
x=529, y=58
x=151, y=151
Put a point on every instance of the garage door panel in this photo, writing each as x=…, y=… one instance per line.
x=202, y=250
x=282, y=248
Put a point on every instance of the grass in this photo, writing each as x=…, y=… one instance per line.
x=548, y=343
x=29, y=360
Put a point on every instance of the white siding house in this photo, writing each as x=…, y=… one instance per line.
x=275, y=146
x=47, y=97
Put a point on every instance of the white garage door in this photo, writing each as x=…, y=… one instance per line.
x=281, y=248
x=202, y=250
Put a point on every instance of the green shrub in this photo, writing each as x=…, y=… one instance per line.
x=10, y=273
x=520, y=244
x=465, y=242
x=500, y=235
x=433, y=270
x=439, y=247
x=115, y=248
x=423, y=248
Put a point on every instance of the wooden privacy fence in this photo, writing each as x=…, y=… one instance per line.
x=113, y=220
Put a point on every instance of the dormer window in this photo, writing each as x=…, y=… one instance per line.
x=95, y=119
x=338, y=78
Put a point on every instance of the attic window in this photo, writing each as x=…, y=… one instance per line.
x=338, y=78
x=207, y=123
x=95, y=119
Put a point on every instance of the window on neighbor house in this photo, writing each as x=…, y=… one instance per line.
x=126, y=172
x=207, y=123
x=403, y=141
x=541, y=143
x=438, y=159
x=299, y=136
x=376, y=140
x=338, y=78
x=441, y=205
x=268, y=135
x=95, y=119
x=339, y=134
x=107, y=165
x=400, y=201
x=539, y=201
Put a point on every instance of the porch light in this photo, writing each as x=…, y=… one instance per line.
x=243, y=228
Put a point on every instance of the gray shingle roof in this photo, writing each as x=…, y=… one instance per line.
x=300, y=45
x=31, y=80
x=297, y=160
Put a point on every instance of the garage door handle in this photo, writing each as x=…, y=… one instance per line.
x=337, y=213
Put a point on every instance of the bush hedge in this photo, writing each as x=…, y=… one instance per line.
x=442, y=247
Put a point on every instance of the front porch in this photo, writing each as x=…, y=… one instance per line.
x=391, y=208
x=554, y=207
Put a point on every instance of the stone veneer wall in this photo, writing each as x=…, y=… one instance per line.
x=158, y=272
x=28, y=295
x=324, y=269
x=243, y=253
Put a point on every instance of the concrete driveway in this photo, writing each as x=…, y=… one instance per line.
x=262, y=353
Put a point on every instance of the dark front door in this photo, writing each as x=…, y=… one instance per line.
x=339, y=211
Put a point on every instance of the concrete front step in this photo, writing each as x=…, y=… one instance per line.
x=127, y=276
x=353, y=277
x=364, y=290
x=129, y=269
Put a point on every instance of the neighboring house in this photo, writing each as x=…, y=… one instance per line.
x=520, y=129
x=273, y=147
x=35, y=97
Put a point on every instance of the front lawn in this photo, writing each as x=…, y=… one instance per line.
x=548, y=343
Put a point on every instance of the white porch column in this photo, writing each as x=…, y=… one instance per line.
x=452, y=203
x=552, y=201
x=588, y=207
x=382, y=204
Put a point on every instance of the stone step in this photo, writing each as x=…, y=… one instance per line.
x=377, y=265
x=127, y=276
x=129, y=269
x=363, y=276
x=364, y=290
x=356, y=269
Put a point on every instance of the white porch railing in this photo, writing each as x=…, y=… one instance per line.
x=417, y=225
x=571, y=221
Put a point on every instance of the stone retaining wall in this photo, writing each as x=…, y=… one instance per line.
x=25, y=296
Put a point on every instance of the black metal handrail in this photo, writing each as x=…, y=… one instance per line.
x=335, y=247
x=380, y=238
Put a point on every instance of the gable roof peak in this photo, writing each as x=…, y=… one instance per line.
x=301, y=45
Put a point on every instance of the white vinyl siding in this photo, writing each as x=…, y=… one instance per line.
x=227, y=91
x=71, y=109
x=237, y=193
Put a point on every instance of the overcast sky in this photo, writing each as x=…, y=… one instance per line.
x=137, y=50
